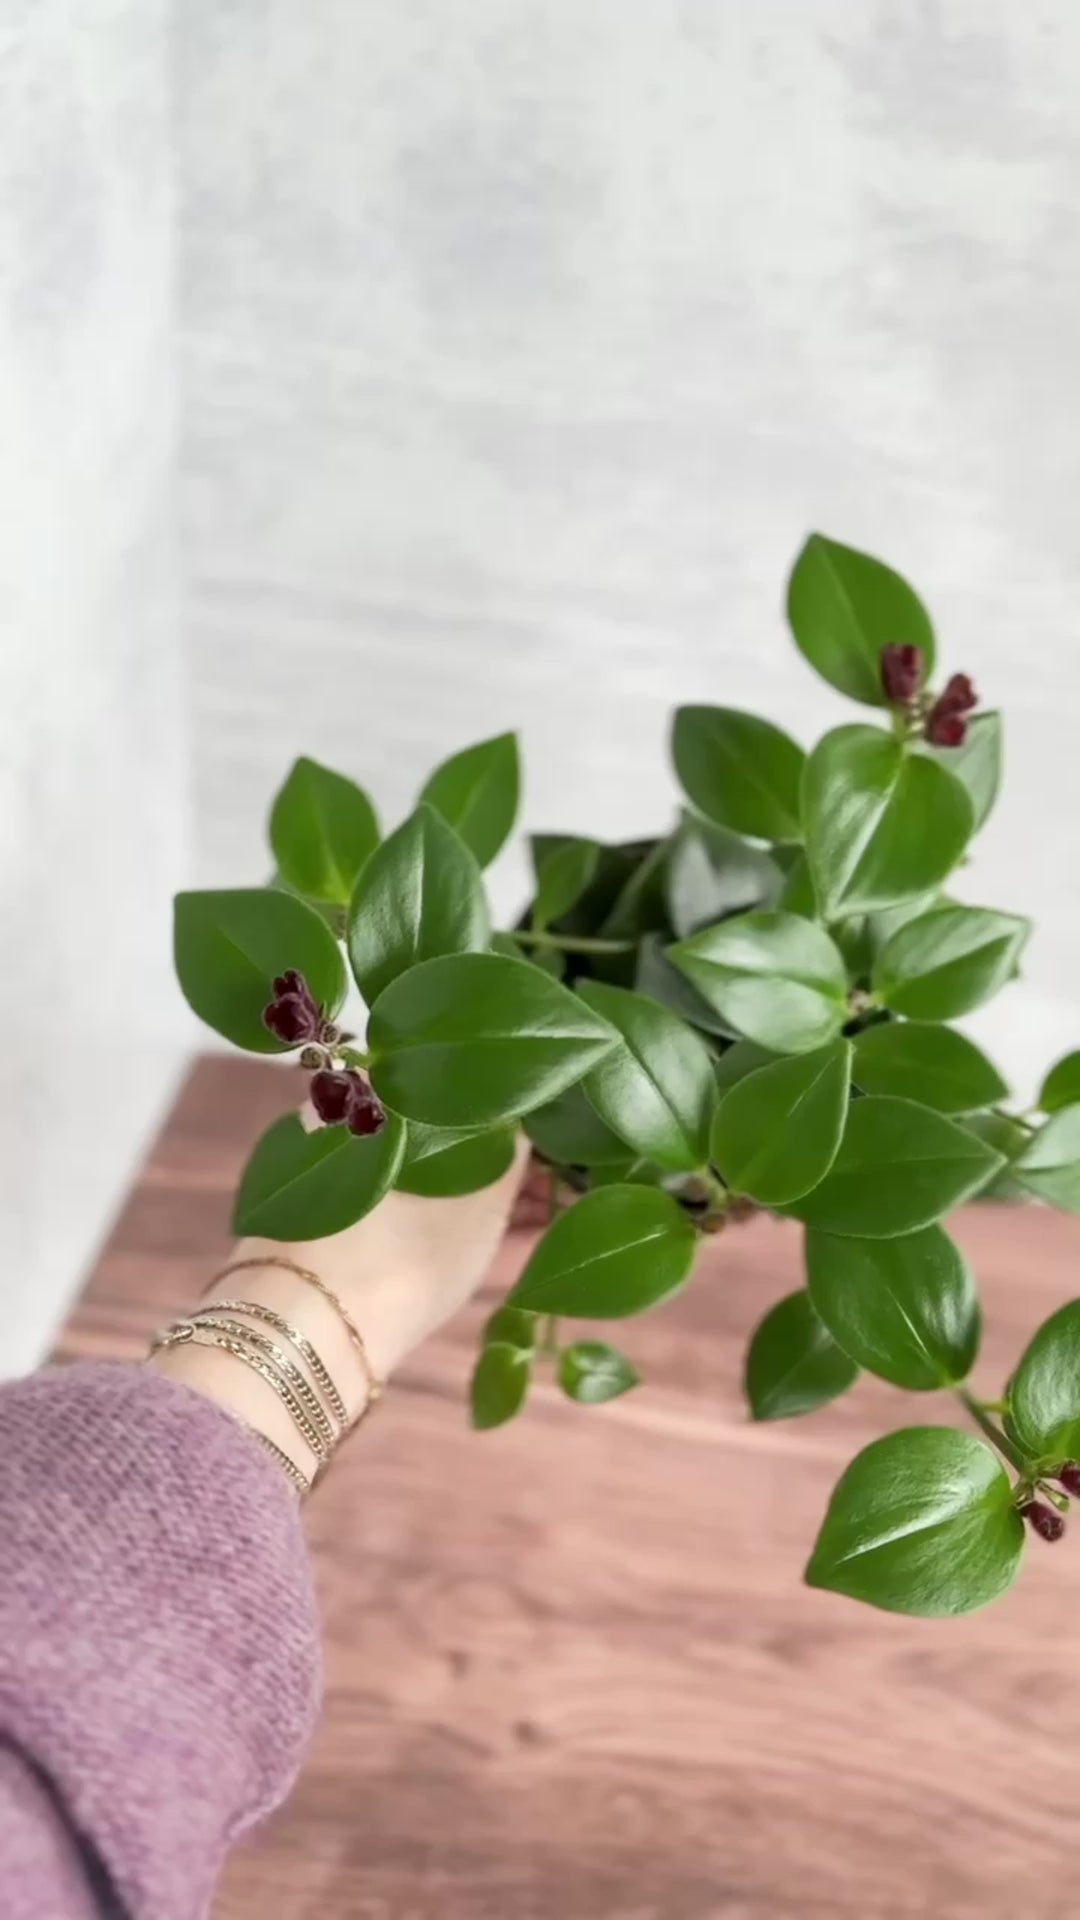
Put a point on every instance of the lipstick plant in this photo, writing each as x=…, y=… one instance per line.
x=750, y=1013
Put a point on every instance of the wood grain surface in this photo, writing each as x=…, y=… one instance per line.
x=571, y=1667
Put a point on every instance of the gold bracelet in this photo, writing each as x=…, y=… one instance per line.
x=374, y=1386
x=288, y=1467
x=299, y=1340
x=297, y=1380
x=198, y=1336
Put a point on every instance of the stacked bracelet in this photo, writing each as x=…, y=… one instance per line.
x=307, y=1392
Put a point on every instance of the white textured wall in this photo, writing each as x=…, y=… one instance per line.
x=92, y=765
x=523, y=343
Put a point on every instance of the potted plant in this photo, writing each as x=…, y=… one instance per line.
x=748, y=1013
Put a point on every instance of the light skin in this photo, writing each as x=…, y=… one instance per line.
x=401, y=1272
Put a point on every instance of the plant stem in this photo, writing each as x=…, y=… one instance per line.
x=569, y=943
x=549, y=1339
x=977, y=1409
x=353, y=1057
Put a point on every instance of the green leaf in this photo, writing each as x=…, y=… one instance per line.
x=744, y=1057
x=906, y=1309
x=458, y=1166
x=302, y=1186
x=900, y=1167
x=229, y=946
x=639, y=905
x=881, y=823
x=710, y=873
x=844, y=606
x=570, y=1132
x=322, y=829
x=777, y=1132
x=793, y=1364
x=635, y=1172
x=615, y=1252
x=477, y=791
x=943, y=1069
x=564, y=875
x=797, y=894
x=592, y=1372
x=739, y=771
x=656, y=1090
x=500, y=1383
x=511, y=1327
x=657, y=977
x=922, y=1522
x=1061, y=1087
x=1044, y=1392
x=948, y=961
x=978, y=763
x=419, y=897
x=1008, y=1138
x=778, y=979
x=1050, y=1163
x=474, y=1040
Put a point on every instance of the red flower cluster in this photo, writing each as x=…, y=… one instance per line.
x=902, y=670
x=344, y=1098
x=1043, y=1520
x=946, y=722
x=293, y=1014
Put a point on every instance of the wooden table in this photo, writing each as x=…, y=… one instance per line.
x=572, y=1671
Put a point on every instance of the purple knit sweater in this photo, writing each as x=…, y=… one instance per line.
x=159, y=1653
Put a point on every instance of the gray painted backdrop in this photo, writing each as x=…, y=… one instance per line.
x=516, y=349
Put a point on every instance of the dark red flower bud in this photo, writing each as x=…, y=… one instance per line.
x=366, y=1113
x=332, y=1095
x=291, y=1019
x=959, y=694
x=1043, y=1520
x=291, y=982
x=902, y=669
x=1070, y=1477
x=944, y=728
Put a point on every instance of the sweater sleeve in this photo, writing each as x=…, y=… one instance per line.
x=159, y=1663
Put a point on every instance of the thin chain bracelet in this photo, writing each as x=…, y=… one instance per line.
x=288, y=1467
x=299, y=1340
x=373, y=1384
x=189, y=1331
x=297, y=1380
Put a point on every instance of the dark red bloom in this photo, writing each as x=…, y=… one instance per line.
x=959, y=694
x=344, y=1098
x=293, y=1015
x=1043, y=1520
x=1070, y=1477
x=945, y=728
x=902, y=669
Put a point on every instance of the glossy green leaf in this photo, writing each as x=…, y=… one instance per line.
x=656, y=1089
x=948, y=961
x=922, y=1522
x=474, y=1040
x=741, y=1058
x=1061, y=1087
x=934, y=1064
x=978, y=763
x=592, y=1372
x=793, y=1364
x=1044, y=1392
x=500, y=1383
x=229, y=946
x=900, y=1167
x=776, y=1133
x=615, y=1252
x=457, y=1166
x=419, y=897
x=739, y=771
x=1008, y=1138
x=478, y=791
x=844, y=606
x=881, y=823
x=564, y=875
x=322, y=829
x=639, y=906
x=711, y=873
x=1049, y=1166
x=511, y=1327
x=906, y=1309
x=636, y=1172
x=797, y=894
x=569, y=1132
x=778, y=979
x=658, y=977
x=302, y=1186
